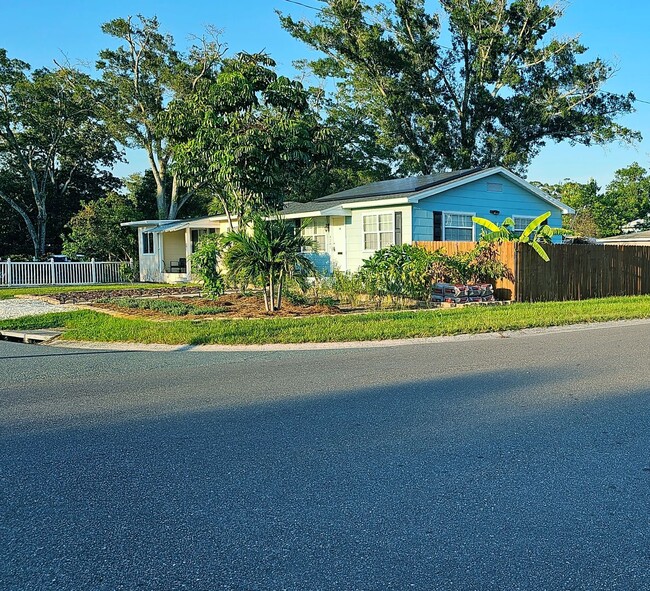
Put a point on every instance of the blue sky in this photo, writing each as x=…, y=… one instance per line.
x=40, y=31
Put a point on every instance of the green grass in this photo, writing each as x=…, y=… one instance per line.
x=88, y=325
x=10, y=292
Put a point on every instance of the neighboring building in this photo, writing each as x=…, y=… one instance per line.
x=635, y=225
x=351, y=225
x=629, y=239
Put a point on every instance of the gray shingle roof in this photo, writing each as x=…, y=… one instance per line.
x=291, y=207
x=631, y=237
x=397, y=187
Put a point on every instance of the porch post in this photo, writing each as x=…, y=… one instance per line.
x=188, y=253
x=161, y=254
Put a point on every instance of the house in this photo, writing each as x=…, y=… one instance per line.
x=351, y=225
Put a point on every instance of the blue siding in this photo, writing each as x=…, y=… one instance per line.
x=322, y=261
x=475, y=198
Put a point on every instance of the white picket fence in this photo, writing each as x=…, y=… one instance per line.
x=55, y=273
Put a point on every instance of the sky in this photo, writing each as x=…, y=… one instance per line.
x=39, y=31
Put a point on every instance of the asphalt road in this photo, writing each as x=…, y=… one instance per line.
x=508, y=464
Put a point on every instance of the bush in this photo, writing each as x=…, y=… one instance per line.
x=205, y=264
x=345, y=287
x=409, y=271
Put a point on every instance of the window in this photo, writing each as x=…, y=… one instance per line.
x=378, y=231
x=147, y=243
x=198, y=232
x=459, y=227
x=521, y=223
x=315, y=229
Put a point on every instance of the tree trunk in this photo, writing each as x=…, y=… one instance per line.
x=280, y=283
x=33, y=234
x=41, y=225
x=271, y=292
x=266, y=298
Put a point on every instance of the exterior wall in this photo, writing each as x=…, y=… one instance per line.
x=354, y=233
x=474, y=198
x=174, y=248
x=149, y=263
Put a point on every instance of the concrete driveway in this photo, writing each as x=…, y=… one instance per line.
x=479, y=465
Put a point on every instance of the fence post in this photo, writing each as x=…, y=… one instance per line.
x=93, y=270
x=8, y=272
x=52, y=272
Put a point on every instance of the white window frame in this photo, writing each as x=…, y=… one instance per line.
x=378, y=232
x=444, y=225
x=148, y=235
x=201, y=232
x=522, y=217
x=310, y=231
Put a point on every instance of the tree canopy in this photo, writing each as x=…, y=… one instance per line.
x=601, y=212
x=51, y=136
x=141, y=76
x=480, y=83
x=245, y=135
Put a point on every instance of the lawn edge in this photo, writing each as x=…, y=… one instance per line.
x=126, y=346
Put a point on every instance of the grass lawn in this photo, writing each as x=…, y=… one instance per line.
x=10, y=292
x=85, y=325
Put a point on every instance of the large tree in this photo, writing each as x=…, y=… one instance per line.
x=246, y=135
x=143, y=75
x=50, y=138
x=491, y=89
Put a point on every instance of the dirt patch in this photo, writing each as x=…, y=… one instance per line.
x=227, y=306
x=84, y=297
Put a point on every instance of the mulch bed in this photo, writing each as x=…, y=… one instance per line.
x=84, y=297
x=236, y=306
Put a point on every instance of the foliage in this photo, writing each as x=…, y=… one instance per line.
x=169, y=307
x=490, y=90
x=205, y=263
x=398, y=271
x=409, y=271
x=129, y=271
x=50, y=138
x=266, y=255
x=245, y=135
x=95, y=231
x=346, y=286
x=483, y=265
x=534, y=233
x=626, y=198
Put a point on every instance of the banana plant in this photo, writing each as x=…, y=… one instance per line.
x=534, y=233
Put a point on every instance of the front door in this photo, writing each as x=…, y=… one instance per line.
x=337, y=245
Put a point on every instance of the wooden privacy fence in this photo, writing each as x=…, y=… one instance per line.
x=581, y=271
x=505, y=289
x=575, y=271
x=55, y=273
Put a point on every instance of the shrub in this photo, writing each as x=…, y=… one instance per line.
x=205, y=264
x=401, y=271
x=345, y=287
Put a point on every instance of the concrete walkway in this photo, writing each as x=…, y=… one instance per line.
x=18, y=307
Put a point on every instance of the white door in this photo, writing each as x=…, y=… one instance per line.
x=337, y=246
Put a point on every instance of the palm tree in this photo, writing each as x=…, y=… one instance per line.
x=533, y=234
x=267, y=255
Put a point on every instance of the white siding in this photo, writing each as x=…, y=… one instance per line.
x=354, y=232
